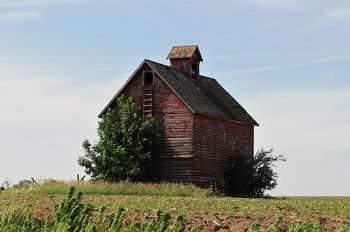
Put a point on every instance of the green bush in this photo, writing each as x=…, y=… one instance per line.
x=251, y=176
x=124, y=149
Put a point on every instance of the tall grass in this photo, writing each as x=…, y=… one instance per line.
x=54, y=187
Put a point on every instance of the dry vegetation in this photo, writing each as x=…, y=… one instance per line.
x=201, y=209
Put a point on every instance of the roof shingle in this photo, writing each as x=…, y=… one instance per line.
x=184, y=52
x=205, y=97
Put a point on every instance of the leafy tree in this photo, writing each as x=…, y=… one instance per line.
x=252, y=176
x=264, y=178
x=124, y=149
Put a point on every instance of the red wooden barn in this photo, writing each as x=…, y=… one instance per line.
x=200, y=123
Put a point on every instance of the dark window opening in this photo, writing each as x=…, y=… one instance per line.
x=148, y=78
x=194, y=71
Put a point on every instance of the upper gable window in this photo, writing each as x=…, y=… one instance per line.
x=148, y=78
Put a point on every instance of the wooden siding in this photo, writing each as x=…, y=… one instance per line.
x=214, y=141
x=172, y=159
x=185, y=64
x=134, y=88
x=173, y=155
x=191, y=148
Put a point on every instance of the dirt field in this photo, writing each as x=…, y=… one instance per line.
x=207, y=221
x=207, y=214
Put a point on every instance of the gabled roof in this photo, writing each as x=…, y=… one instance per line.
x=205, y=97
x=184, y=52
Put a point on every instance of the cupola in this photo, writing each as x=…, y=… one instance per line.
x=187, y=59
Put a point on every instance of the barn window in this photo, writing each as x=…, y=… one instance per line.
x=194, y=71
x=148, y=78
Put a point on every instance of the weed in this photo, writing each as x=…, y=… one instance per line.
x=29, y=207
x=255, y=227
x=277, y=226
x=72, y=215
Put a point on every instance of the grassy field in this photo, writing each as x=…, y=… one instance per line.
x=201, y=209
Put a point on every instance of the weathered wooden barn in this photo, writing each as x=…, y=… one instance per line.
x=199, y=122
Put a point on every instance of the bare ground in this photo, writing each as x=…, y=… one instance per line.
x=204, y=219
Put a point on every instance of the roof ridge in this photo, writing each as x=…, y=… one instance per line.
x=205, y=97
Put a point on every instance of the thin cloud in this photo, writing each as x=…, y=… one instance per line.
x=286, y=66
x=285, y=5
x=338, y=14
x=272, y=2
x=19, y=16
x=77, y=69
x=66, y=70
x=250, y=56
x=261, y=69
x=67, y=57
x=38, y=2
x=26, y=57
x=333, y=17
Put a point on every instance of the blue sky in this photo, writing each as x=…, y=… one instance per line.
x=286, y=62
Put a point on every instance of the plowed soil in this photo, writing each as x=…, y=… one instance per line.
x=206, y=214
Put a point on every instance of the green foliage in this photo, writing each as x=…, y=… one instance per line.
x=297, y=227
x=264, y=178
x=15, y=219
x=252, y=176
x=277, y=226
x=124, y=149
x=71, y=216
x=256, y=226
x=159, y=224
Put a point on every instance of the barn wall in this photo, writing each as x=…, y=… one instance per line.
x=215, y=140
x=134, y=88
x=191, y=148
x=173, y=155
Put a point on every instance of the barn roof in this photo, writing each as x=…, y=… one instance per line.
x=184, y=52
x=205, y=97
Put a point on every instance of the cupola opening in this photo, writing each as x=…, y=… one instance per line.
x=187, y=59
